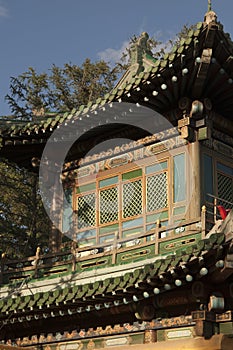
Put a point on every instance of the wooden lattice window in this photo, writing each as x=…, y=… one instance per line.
x=225, y=182
x=157, y=192
x=132, y=198
x=86, y=205
x=157, y=186
x=108, y=199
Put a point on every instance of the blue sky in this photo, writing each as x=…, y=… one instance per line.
x=39, y=33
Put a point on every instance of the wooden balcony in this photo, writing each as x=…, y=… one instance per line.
x=159, y=241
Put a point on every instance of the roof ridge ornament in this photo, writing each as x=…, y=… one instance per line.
x=209, y=5
x=210, y=16
x=139, y=47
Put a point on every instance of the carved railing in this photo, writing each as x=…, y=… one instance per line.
x=72, y=257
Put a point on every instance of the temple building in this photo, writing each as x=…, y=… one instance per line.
x=141, y=181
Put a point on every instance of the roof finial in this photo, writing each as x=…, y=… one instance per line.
x=210, y=16
x=209, y=5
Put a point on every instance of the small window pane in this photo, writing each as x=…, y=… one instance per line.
x=225, y=169
x=106, y=239
x=67, y=217
x=85, y=235
x=179, y=210
x=108, y=182
x=88, y=243
x=132, y=223
x=179, y=178
x=133, y=231
x=158, y=216
x=156, y=167
x=132, y=174
x=86, y=188
x=108, y=229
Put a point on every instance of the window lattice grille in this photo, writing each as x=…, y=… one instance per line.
x=225, y=188
x=86, y=211
x=156, y=191
x=132, y=198
x=108, y=205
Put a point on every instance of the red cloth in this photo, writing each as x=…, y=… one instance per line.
x=222, y=211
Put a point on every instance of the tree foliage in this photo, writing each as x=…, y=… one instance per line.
x=23, y=223
x=62, y=89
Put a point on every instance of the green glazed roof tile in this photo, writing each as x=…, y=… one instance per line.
x=70, y=296
x=94, y=106
x=2, y=302
x=133, y=279
x=98, y=100
x=86, y=110
x=213, y=238
x=199, y=25
x=82, y=290
x=182, y=41
x=32, y=303
x=180, y=49
x=15, y=305
x=7, y=304
x=107, y=282
x=155, y=69
x=196, y=33
x=57, y=118
x=106, y=96
x=128, y=87
x=120, y=93
x=149, y=69
x=132, y=81
x=220, y=238
x=174, y=49
x=201, y=245
x=137, y=81
x=111, y=98
x=60, y=298
x=208, y=244
x=56, y=292
x=101, y=289
x=103, y=102
x=188, y=41
x=90, y=292
x=23, y=302
x=42, y=300
x=90, y=104
x=190, y=33
x=76, y=114
x=164, y=63
x=81, y=108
